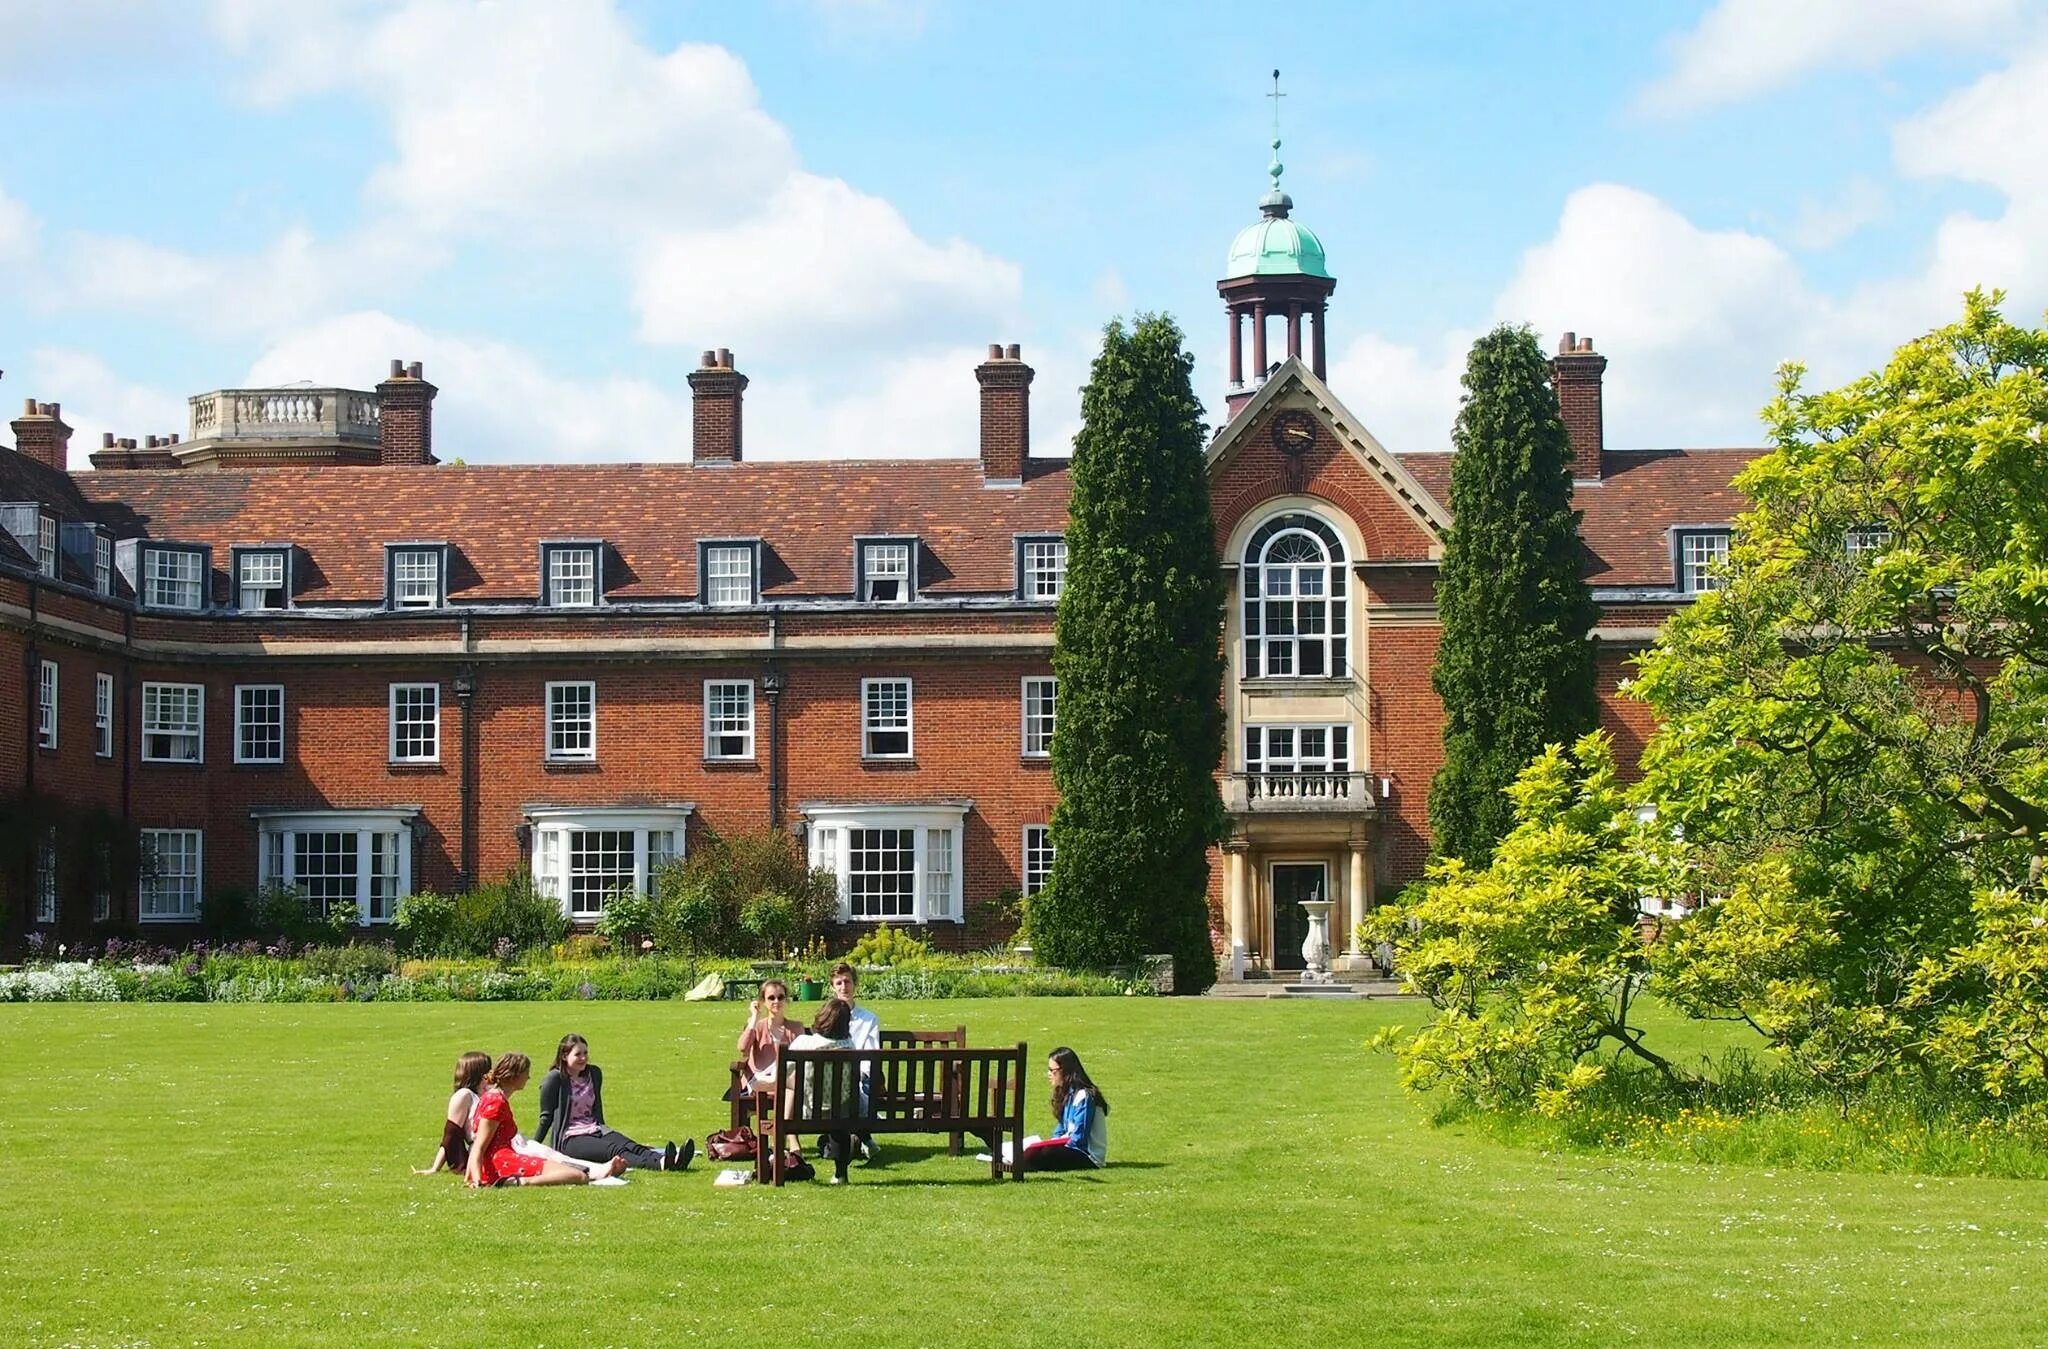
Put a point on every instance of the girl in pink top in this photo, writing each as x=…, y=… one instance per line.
x=766, y=1029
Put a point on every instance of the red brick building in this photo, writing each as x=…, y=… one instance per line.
x=292, y=647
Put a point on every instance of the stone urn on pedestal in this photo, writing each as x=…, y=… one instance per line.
x=1315, y=950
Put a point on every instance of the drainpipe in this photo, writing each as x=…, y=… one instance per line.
x=465, y=696
x=771, y=685
x=125, y=712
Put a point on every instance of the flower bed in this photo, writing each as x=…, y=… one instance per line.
x=250, y=972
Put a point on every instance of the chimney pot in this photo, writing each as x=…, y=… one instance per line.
x=397, y=367
x=28, y=407
x=174, y=437
x=1005, y=414
x=1013, y=352
x=416, y=370
x=707, y=360
x=106, y=440
x=1569, y=342
x=716, y=394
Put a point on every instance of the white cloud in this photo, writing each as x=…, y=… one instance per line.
x=295, y=278
x=1743, y=48
x=96, y=401
x=1406, y=398
x=497, y=403
x=1822, y=222
x=819, y=265
x=17, y=230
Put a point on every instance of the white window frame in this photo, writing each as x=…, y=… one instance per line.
x=168, y=587
x=572, y=576
x=718, y=728
x=103, y=715
x=1700, y=551
x=280, y=585
x=1295, y=590
x=244, y=723
x=150, y=890
x=894, y=552
x=1042, y=568
x=46, y=705
x=553, y=847
x=405, y=589
x=941, y=865
x=1866, y=541
x=372, y=832
x=1037, y=715
x=870, y=727
x=102, y=564
x=1032, y=873
x=720, y=577
x=46, y=544
x=552, y=699
x=174, y=732
x=398, y=691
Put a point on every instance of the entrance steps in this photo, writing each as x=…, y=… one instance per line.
x=1343, y=986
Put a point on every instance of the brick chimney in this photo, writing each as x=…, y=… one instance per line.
x=715, y=389
x=40, y=434
x=405, y=416
x=1005, y=414
x=116, y=454
x=1575, y=372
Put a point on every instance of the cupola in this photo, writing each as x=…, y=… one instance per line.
x=1276, y=269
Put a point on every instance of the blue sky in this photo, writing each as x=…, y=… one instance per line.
x=556, y=203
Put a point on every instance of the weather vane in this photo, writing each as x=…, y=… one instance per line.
x=1275, y=167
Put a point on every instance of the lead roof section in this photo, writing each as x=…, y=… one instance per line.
x=651, y=516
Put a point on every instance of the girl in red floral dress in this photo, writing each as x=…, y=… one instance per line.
x=492, y=1160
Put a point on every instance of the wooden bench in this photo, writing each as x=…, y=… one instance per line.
x=926, y=1091
x=743, y=1094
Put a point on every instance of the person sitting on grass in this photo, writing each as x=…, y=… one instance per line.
x=866, y=1032
x=493, y=1157
x=1081, y=1141
x=453, y=1154
x=572, y=1109
x=833, y=1088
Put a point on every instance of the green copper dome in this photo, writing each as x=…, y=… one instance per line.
x=1276, y=246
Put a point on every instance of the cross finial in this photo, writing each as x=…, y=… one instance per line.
x=1275, y=167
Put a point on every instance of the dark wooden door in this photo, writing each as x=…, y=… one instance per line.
x=1292, y=883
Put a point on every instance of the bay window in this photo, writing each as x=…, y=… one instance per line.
x=358, y=861
x=893, y=863
x=582, y=857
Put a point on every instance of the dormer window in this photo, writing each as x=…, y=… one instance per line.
x=729, y=572
x=102, y=564
x=887, y=571
x=173, y=578
x=571, y=574
x=417, y=575
x=1041, y=567
x=263, y=578
x=35, y=529
x=1701, y=554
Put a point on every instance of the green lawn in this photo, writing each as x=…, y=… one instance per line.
x=237, y=1174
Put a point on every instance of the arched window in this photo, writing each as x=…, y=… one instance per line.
x=1295, y=600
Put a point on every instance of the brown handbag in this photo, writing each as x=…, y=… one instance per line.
x=732, y=1145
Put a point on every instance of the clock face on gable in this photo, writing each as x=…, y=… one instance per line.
x=1294, y=432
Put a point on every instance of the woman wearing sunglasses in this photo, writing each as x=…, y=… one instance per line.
x=767, y=1028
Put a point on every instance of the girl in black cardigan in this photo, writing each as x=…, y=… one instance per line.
x=572, y=1111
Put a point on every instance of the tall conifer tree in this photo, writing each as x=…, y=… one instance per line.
x=1515, y=668
x=1137, y=652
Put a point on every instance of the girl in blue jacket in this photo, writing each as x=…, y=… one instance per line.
x=1081, y=1141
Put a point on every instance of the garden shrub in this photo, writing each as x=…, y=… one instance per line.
x=426, y=923
x=888, y=946
x=771, y=920
x=353, y=963
x=627, y=918
x=511, y=910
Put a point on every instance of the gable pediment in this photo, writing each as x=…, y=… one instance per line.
x=1248, y=463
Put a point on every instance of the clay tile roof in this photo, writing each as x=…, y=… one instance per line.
x=651, y=515
x=1630, y=512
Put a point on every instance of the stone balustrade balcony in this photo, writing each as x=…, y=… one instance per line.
x=294, y=424
x=1301, y=793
